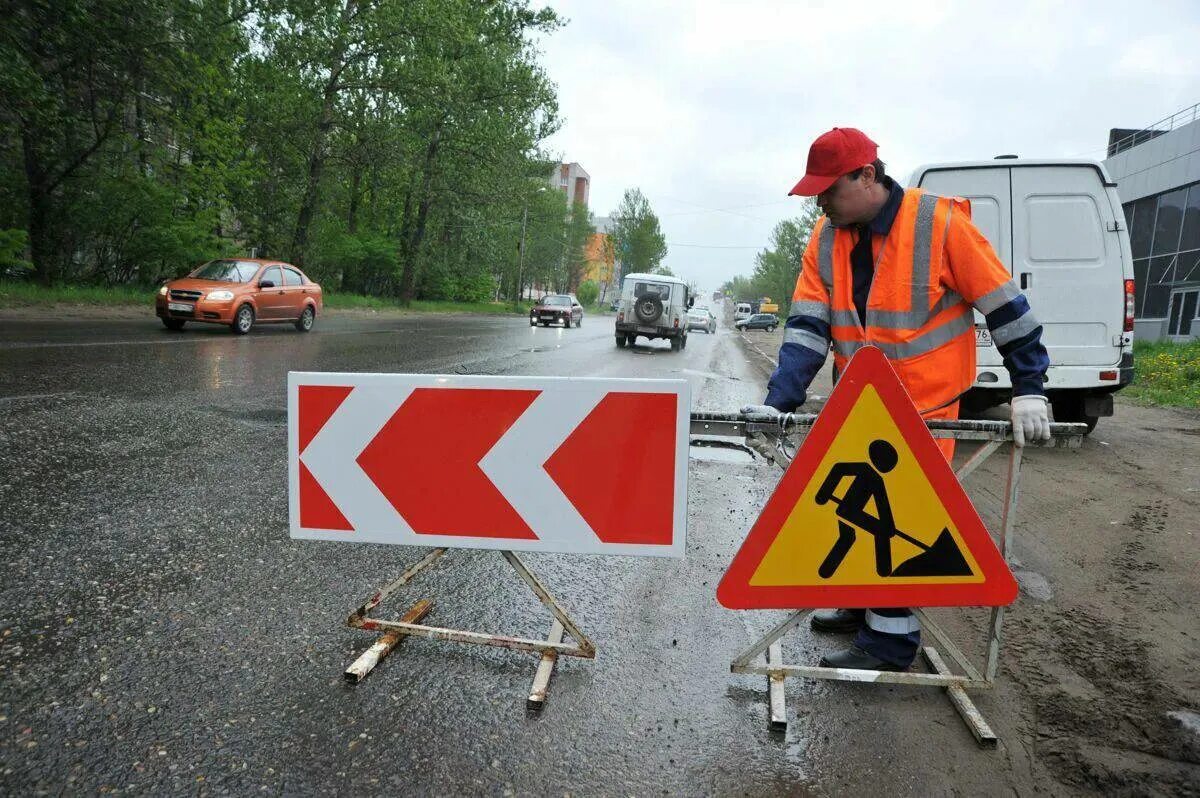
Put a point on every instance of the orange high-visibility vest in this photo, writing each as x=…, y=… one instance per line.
x=919, y=305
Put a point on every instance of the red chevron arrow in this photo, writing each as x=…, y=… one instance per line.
x=425, y=460
x=314, y=405
x=618, y=468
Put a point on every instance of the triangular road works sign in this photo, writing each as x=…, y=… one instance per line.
x=868, y=514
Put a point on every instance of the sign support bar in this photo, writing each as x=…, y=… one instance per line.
x=409, y=624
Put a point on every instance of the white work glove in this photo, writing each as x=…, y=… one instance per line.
x=1029, y=419
x=761, y=410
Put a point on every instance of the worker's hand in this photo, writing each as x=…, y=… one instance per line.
x=761, y=410
x=1029, y=419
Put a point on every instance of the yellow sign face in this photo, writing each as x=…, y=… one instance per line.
x=869, y=516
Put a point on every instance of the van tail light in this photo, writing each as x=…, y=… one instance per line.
x=1108, y=376
x=621, y=316
x=676, y=324
x=1129, y=294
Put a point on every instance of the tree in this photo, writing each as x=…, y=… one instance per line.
x=638, y=239
x=578, y=235
x=777, y=267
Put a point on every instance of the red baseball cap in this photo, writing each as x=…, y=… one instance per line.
x=833, y=154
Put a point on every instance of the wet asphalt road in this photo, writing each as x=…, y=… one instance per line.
x=161, y=633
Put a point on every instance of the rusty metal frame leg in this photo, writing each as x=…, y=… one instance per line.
x=545, y=669
x=954, y=652
x=549, y=648
x=1012, y=493
x=381, y=595
x=976, y=459
x=367, y=661
x=788, y=624
x=962, y=702
x=544, y=595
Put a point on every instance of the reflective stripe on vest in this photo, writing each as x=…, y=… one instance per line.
x=804, y=307
x=919, y=312
x=806, y=339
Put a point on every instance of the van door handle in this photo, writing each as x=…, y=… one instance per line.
x=1026, y=280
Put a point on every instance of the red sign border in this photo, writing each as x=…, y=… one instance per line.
x=868, y=366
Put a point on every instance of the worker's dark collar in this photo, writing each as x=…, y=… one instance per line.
x=881, y=225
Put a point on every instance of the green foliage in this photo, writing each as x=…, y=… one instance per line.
x=637, y=236
x=1166, y=373
x=13, y=244
x=587, y=293
x=390, y=148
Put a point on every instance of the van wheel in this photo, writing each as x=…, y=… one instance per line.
x=305, y=322
x=1069, y=410
x=675, y=344
x=683, y=342
x=243, y=320
x=620, y=342
x=174, y=325
x=629, y=340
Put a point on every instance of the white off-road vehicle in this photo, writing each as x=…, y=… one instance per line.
x=653, y=306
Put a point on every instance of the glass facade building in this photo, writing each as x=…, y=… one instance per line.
x=1158, y=179
x=1164, y=234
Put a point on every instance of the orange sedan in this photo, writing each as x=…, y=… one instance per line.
x=240, y=292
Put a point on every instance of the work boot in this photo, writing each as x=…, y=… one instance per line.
x=854, y=657
x=836, y=620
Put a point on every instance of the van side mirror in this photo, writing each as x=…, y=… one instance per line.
x=691, y=301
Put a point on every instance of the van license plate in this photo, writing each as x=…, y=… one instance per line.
x=182, y=307
x=647, y=330
x=983, y=337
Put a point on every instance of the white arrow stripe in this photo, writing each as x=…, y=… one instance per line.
x=514, y=465
x=332, y=455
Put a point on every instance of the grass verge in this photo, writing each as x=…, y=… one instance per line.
x=1165, y=374
x=15, y=294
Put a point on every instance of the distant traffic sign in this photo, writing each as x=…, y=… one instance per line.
x=594, y=466
x=868, y=514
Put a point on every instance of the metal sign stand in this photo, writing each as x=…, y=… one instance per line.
x=409, y=624
x=991, y=435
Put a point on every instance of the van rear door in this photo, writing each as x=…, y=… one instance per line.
x=1053, y=228
x=1067, y=260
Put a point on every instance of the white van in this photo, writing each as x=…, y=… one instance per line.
x=1059, y=228
x=742, y=311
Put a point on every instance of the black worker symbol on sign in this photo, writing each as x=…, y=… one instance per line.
x=942, y=558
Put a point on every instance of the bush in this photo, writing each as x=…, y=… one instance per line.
x=587, y=294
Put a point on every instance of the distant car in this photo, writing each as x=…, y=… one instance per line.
x=556, y=309
x=759, y=321
x=240, y=293
x=702, y=319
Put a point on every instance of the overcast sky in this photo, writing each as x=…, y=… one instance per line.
x=712, y=105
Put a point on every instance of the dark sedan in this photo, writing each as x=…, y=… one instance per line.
x=759, y=321
x=555, y=309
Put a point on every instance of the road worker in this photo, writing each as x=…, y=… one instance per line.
x=899, y=269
